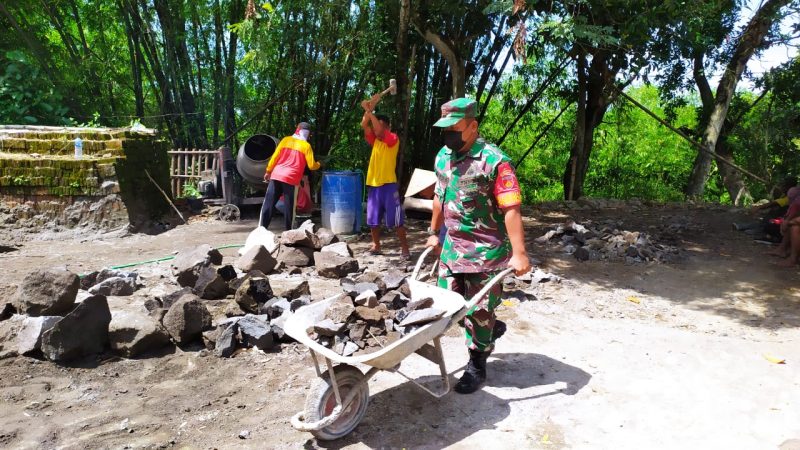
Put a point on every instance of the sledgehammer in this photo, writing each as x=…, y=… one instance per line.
x=392, y=89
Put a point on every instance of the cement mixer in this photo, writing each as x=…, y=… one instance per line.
x=248, y=168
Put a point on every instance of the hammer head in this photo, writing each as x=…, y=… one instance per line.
x=393, y=86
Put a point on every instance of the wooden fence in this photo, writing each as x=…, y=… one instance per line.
x=186, y=166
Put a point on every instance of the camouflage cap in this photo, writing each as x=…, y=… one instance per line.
x=455, y=110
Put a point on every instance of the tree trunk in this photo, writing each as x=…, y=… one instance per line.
x=731, y=178
x=458, y=67
x=592, y=105
x=403, y=97
x=752, y=39
x=236, y=13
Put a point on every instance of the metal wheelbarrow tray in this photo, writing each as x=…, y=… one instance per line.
x=338, y=401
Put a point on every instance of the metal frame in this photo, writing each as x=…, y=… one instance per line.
x=432, y=353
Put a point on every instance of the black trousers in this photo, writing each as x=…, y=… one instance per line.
x=274, y=191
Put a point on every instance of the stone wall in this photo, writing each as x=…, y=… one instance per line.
x=41, y=182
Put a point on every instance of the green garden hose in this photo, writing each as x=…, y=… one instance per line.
x=166, y=258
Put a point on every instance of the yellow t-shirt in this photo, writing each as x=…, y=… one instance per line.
x=783, y=201
x=383, y=161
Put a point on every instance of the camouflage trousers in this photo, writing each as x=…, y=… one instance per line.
x=479, y=321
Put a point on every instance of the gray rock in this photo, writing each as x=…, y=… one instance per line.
x=187, y=319
x=348, y=286
x=168, y=300
x=9, y=331
x=421, y=316
x=152, y=304
x=366, y=298
x=393, y=279
x=339, y=248
x=581, y=254
x=295, y=256
x=6, y=311
x=289, y=288
x=326, y=237
x=47, y=292
x=187, y=264
x=340, y=309
x=254, y=291
x=132, y=333
x=374, y=315
x=117, y=286
x=405, y=289
x=349, y=349
x=374, y=278
x=259, y=236
x=400, y=315
x=257, y=258
x=327, y=327
x=29, y=339
x=299, y=238
x=360, y=288
x=357, y=331
x=225, y=343
x=81, y=332
x=332, y=265
x=227, y=272
x=420, y=304
x=300, y=302
x=276, y=307
x=114, y=273
x=89, y=280
x=256, y=332
x=210, y=285
x=394, y=300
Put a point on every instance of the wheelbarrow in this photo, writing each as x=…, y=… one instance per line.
x=339, y=396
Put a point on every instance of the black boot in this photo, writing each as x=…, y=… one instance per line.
x=474, y=373
x=498, y=330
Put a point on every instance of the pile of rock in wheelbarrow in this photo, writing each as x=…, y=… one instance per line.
x=372, y=313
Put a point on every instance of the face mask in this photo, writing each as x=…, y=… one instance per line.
x=452, y=139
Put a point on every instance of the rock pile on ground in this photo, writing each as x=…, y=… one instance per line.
x=607, y=242
x=373, y=312
x=58, y=315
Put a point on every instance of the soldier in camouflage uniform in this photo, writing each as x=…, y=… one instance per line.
x=478, y=199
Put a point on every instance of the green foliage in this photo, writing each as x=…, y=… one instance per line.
x=636, y=157
x=25, y=96
x=190, y=191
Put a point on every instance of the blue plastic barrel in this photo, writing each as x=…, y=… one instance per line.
x=342, y=193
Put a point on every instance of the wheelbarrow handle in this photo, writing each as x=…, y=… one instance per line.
x=420, y=261
x=477, y=298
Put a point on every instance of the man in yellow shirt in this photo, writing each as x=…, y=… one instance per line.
x=284, y=172
x=383, y=200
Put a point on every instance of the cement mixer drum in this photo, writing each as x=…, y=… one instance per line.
x=252, y=159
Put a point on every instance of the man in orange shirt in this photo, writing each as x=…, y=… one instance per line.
x=284, y=172
x=383, y=200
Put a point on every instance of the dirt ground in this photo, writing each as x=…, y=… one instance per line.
x=614, y=356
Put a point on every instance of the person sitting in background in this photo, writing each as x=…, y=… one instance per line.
x=788, y=220
x=767, y=227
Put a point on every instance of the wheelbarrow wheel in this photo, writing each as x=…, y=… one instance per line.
x=321, y=401
x=229, y=213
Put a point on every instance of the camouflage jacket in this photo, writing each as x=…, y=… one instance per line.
x=477, y=240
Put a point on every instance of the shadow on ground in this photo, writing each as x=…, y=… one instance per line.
x=406, y=417
x=725, y=273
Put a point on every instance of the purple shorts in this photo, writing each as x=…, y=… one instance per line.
x=383, y=205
